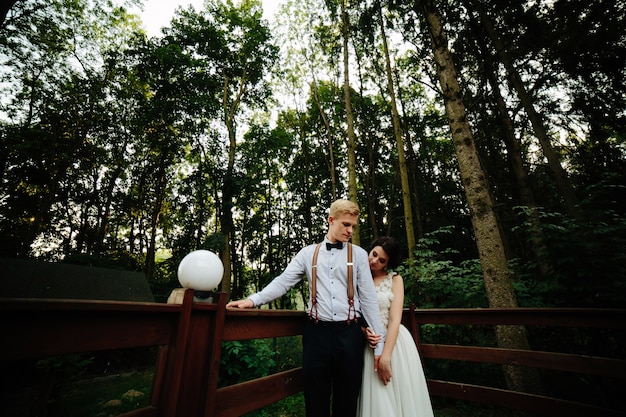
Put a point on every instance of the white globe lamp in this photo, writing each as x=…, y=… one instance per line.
x=202, y=271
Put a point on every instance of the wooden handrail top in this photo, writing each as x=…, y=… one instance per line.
x=565, y=317
x=578, y=317
x=247, y=312
x=45, y=304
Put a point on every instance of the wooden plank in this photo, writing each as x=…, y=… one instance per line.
x=260, y=324
x=158, y=381
x=197, y=365
x=40, y=333
x=175, y=364
x=236, y=400
x=591, y=365
x=9, y=305
x=537, y=404
x=413, y=327
x=593, y=318
x=214, y=357
x=142, y=412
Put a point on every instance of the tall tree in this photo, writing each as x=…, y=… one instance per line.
x=245, y=54
x=562, y=180
x=352, y=187
x=525, y=196
x=477, y=190
x=397, y=130
x=59, y=87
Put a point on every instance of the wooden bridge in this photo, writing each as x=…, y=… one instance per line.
x=190, y=335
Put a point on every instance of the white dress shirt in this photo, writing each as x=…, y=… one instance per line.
x=332, y=285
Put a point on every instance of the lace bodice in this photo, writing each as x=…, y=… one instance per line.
x=385, y=297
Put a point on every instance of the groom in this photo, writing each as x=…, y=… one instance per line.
x=333, y=343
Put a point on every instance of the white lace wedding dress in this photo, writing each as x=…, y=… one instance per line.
x=406, y=395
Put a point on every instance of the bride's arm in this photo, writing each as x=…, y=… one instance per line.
x=393, y=328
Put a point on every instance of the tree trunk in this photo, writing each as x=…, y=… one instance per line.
x=154, y=219
x=562, y=180
x=514, y=153
x=352, y=191
x=414, y=181
x=5, y=6
x=368, y=173
x=404, y=177
x=228, y=188
x=329, y=137
x=477, y=190
x=526, y=196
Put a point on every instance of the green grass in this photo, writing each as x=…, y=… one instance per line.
x=453, y=408
x=106, y=396
x=294, y=407
x=116, y=394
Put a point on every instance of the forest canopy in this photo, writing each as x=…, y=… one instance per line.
x=487, y=136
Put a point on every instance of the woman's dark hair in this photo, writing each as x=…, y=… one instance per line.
x=391, y=247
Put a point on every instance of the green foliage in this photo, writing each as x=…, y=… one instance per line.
x=444, y=407
x=113, y=395
x=245, y=360
x=78, y=385
x=587, y=256
x=72, y=366
x=432, y=281
x=113, y=146
x=111, y=259
x=292, y=406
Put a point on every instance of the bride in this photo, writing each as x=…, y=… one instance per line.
x=398, y=390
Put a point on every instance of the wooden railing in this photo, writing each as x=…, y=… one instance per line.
x=190, y=337
x=536, y=404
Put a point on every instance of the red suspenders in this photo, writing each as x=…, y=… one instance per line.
x=314, y=285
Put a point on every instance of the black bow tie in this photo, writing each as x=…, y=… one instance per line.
x=337, y=245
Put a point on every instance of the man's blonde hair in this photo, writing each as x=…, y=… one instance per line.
x=342, y=206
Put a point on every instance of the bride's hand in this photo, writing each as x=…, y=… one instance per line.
x=384, y=370
x=372, y=338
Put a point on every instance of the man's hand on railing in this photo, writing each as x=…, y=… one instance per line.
x=247, y=303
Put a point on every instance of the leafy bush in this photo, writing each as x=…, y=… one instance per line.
x=245, y=360
x=586, y=254
x=433, y=281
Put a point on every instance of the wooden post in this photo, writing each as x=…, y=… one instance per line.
x=185, y=383
x=168, y=376
x=415, y=330
x=214, y=356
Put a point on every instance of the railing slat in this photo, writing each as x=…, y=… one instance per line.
x=257, y=393
x=49, y=329
x=590, y=365
x=539, y=405
x=142, y=412
x=260, y=324
x=566, y=317
x=170, y=397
